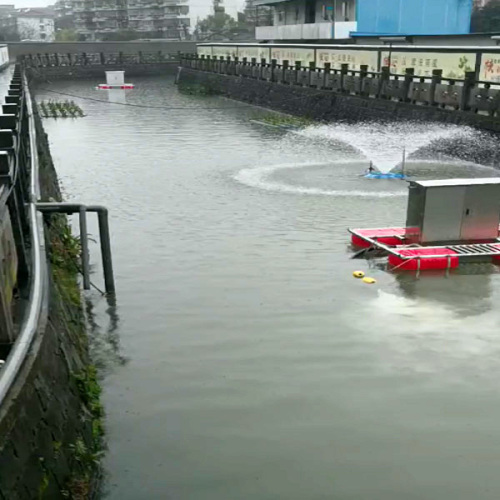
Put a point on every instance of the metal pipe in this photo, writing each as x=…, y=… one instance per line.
x=102, y=214
x=107, y=262
x=84, y=242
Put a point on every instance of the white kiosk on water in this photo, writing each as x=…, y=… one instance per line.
x=115, y=80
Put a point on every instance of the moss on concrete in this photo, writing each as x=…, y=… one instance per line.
x=84, y=452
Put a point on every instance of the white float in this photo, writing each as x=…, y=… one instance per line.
x=115, y=80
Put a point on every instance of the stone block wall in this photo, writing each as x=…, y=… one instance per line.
x=325, y=105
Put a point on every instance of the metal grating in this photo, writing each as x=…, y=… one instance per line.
x=478, y=249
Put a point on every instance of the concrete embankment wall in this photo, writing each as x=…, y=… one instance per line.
x=48, y=73
x=26, y=48
x=50, y=421
x=325, y=105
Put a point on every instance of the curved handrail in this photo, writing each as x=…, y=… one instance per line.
x=36, y=315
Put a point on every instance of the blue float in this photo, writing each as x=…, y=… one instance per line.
x=380, y=175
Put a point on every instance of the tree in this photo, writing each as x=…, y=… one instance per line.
x=219, y=22
x=67, y=35
x=487, y=18
x=10, y=35
x=27, y=31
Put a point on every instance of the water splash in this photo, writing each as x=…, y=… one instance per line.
x=383, y=143
x=260, y=177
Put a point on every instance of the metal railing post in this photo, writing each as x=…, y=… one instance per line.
x=107, y=262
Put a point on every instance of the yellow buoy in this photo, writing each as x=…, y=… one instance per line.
x=369, y=281
x=358, y=274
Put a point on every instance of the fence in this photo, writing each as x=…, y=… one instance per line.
x=22, y=248
x=96, y=59
x=466, y=95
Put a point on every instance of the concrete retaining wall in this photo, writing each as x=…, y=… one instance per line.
x=47, y=73
x=47, y=429
x=324, y=105
x=25, y=48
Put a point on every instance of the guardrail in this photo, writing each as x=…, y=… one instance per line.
x=20, y=177
x=96, y=59
x=466, y=95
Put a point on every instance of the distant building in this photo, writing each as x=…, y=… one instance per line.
x=8, y=22
x=257, y=15
x=64, y=15
x=98, y=19
x=36, y=24
x=26, y=24
x=315, y=20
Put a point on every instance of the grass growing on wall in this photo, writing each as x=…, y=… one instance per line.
x=83, y=451
x=278, y=120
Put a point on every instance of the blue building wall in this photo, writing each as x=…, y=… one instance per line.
x=414, y=17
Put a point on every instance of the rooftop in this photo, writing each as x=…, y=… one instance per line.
x=457, y=182
x=36, y=12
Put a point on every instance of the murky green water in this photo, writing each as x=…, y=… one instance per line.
x=243, y=361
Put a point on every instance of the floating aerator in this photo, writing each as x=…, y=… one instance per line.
x=115, y=80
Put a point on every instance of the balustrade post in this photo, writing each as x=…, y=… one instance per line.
x=409, y=74
x=84, y=58
x=298, y=69
x=120, y=57
x=327, y=68
x=437, y=76
x=312, y=69
x=102, y=58
x=253, y=62
x=274, y=64
x=363, y=74
x=344, y=69
x=284, y=71
x=160, y=56
x=140, y=57
x=262, y=67
x=469, y=82
x=385, y=76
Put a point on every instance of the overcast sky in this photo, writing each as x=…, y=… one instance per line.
x=197, y=7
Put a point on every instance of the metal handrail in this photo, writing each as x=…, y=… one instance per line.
x=35, y=317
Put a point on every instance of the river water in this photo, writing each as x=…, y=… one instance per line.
x=242, y=360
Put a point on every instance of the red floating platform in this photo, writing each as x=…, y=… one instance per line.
x=389, y=236
x=105, y=86
x=414, y=257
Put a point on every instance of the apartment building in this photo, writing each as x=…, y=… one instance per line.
x=148, y=18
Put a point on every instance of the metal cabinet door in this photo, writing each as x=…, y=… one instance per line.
x=481, y=213
x=444, y=207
